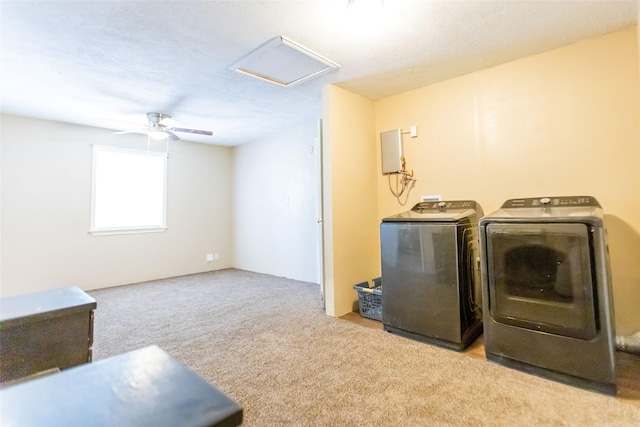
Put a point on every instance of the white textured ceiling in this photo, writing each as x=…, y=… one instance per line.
x=86, y=61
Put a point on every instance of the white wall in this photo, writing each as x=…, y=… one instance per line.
x=275, y=186
x=45, y=211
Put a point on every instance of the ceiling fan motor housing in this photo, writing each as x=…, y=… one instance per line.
x=157, y=118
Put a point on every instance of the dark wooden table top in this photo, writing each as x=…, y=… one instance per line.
x=144, y=387
x=39, y=306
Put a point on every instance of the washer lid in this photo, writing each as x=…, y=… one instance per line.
x=444, y=211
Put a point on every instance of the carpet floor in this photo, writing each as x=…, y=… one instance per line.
x=265, y=342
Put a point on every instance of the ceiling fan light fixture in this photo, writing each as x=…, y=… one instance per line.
x=157, y=134
x=283, y=62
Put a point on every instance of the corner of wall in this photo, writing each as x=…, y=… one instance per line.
x=638, y=45
x=350, y=235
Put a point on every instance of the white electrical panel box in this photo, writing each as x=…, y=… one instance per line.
x=391, y=143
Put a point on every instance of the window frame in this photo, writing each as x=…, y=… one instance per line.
x=155, y=228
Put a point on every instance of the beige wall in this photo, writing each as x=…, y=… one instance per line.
x=350, y=199
x=275, y=198
x=564, y=122
x=46, y=198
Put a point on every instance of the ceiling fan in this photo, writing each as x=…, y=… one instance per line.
x=162, y=126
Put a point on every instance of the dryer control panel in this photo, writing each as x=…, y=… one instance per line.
x=556, y=202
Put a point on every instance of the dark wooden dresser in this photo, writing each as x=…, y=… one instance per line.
x=44, y=332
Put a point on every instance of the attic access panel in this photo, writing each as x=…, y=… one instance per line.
x=283, y=62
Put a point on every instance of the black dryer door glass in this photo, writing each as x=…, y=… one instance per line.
x=540, y=277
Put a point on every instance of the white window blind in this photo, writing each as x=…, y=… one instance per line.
x=129, y=190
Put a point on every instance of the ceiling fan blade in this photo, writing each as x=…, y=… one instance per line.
x=167, y=122
x=172, y=136
x=123, y=121
x=198, y=132
x=131, y=131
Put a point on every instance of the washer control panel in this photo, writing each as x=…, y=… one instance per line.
x=444, y=206
x=553, y=202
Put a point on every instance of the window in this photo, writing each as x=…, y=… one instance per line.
x=129, y=190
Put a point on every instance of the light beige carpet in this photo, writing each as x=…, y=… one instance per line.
x=266, y=343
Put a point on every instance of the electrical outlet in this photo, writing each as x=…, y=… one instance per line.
x=215, y=256
x=211, y=257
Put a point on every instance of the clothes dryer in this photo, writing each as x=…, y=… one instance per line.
x=546, y=286
x=430, y=280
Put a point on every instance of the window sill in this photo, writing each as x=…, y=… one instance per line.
x=127, y=231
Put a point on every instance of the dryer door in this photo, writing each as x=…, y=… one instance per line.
x=540, y=277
